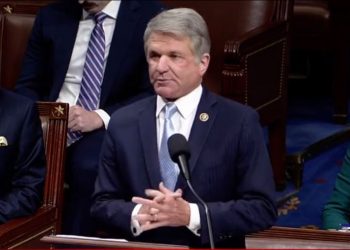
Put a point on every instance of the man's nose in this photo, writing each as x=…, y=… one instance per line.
x=163, y=64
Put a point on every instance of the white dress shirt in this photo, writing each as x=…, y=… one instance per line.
x=71, y=87
x=182, y=121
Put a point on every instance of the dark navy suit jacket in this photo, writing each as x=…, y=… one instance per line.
x=22, y=161
x=51, y=44
x=229, y=166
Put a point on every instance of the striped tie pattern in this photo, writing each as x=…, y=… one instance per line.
x=90, y=89
x=168, y=169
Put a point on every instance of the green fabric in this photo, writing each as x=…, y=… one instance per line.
x=337, y=209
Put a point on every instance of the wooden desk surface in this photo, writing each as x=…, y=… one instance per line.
x=294, y=238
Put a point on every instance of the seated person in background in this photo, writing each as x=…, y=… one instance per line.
x=336, y=212
x=88, y=53
x=143, y=198
x=22, y=157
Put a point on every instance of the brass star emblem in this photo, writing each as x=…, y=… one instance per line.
x=59, y=111
x=8, y=9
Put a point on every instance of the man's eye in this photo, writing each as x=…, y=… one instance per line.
x=153, y=56
x=175, y=56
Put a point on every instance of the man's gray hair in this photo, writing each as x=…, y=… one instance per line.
x=181, y=22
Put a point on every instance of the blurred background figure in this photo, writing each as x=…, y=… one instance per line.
x=97, y=66
x=22, y=157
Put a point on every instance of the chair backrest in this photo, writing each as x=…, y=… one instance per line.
x=22, y=6
x=16, y=21
x=14, y=36
x=27, y=231
x=310, y=27
x=231, y=19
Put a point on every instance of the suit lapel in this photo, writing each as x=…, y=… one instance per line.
x=148, y=134
x=200, y=130
x=127, y=18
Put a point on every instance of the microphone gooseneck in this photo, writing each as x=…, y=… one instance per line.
x=179, y=151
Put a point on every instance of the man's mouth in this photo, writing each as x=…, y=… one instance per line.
x=161, y=79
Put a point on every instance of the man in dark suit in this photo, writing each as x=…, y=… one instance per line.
x=22, y=157
x=53, y=70
x=229, y=163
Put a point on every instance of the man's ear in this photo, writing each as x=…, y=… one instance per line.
x=204, y=63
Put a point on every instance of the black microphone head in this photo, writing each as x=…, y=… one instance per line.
x=178, y=145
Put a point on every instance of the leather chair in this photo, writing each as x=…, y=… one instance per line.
x=249, y=61
x=27, y=231
x=320, y=31
x=15, y=33
x=340, y=27
x=16, y=21
x=22, y=6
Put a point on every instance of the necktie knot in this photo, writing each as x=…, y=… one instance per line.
x=100, y=17
x=170, y=109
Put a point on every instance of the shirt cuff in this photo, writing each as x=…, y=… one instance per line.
x=104, y=116
x=135, y=225
x=195, y=220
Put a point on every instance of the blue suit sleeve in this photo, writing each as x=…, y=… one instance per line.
x=28, y=171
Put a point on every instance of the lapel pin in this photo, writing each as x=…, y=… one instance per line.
x=3, y=141
x=204, y=117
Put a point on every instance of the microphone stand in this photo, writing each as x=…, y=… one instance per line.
x=207, y=213
x=180, y=152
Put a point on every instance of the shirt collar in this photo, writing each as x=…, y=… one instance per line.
x=111, y=10
x=185, y=104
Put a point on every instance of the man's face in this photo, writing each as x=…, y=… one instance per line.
x=93, y=6
x=173, y=68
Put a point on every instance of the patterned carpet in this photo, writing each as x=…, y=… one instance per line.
x=308, y=122
x=303, y=208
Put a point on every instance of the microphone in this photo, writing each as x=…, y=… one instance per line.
x=179, y=151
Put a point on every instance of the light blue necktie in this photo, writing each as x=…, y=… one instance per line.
x=168, y=169
x=90, y=89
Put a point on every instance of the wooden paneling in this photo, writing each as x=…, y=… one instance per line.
x=24, y=7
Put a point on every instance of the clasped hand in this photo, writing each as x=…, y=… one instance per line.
x=83, y=120
x=163, y=208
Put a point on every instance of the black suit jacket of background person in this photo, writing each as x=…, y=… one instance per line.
x=125, y=80
x=229, y=167
x=22, y=161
